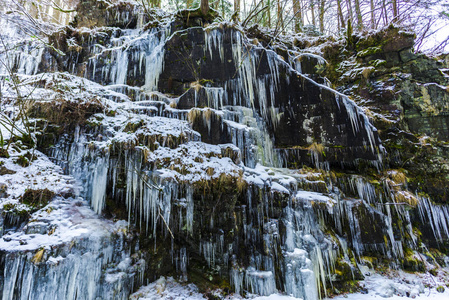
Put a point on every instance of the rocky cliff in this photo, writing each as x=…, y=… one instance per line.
x=235, y=159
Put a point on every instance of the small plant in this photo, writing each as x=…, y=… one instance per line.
x=11, y=210
x=22, y=161
x=3, y=189
x=4, y=152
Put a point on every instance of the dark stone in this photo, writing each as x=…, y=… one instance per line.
x=93, y=13
x=296, y=98
x=407, y=55
x=392, y=59
x=210, y=125
x=310, y=63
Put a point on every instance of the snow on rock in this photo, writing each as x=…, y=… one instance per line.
x=313, y=196
x=276, y=297
x=63, y=237
x=400, y=285
x=203, y=161
x=40, y=174
x=63, y=218
x=167, y=288
x=61, y=86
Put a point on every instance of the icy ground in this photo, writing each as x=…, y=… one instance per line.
x=394, y=286
x=401, y=285
x=64, y=219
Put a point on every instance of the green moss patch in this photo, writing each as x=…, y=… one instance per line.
x=37, y=199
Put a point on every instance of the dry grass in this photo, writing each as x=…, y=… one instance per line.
x=66, y=113
x=406, y=197
x=397, y=177
x=37, y=258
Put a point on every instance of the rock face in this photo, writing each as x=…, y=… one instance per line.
x=295, y=111
x=409, y=97
x=237, y=165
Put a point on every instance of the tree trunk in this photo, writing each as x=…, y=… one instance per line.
x=350, y=14
x=269, y=13
x=373, y=19
x=359, y=14
x=340, y=14
x=189, y=4
x=384, y=12
x=394, y=3
x=204, y=7
x=280, y=16
x=297, y=15
x=237, y=9
x=312, y=9
x=321, y=16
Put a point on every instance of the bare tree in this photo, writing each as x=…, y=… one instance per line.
x=204, y=6
x=340, y=15
x=237, y=9
x=312, y=10
x=394, y=5
x=349, y=8
x=321, y=14
x=359, y=14
x=268, y=13
x=280, y=16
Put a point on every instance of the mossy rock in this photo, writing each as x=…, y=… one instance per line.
x=369, y=51
x=345, y=272
x=440, y=258
x=206, y=279
x=37, y=199
x=14, y=216
x=25, y=160
x=134, y=126
x=370, y=262
x=22, y=161
x=413, y=264
x=391, y=39
x=351, y=287
x=189, y=14
x=64, y=113
x=24, y=142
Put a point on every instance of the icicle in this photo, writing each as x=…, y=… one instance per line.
x=236, y=277
x=99, y=183
x=189, y=210
x=260, y=282
x=436, y=216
